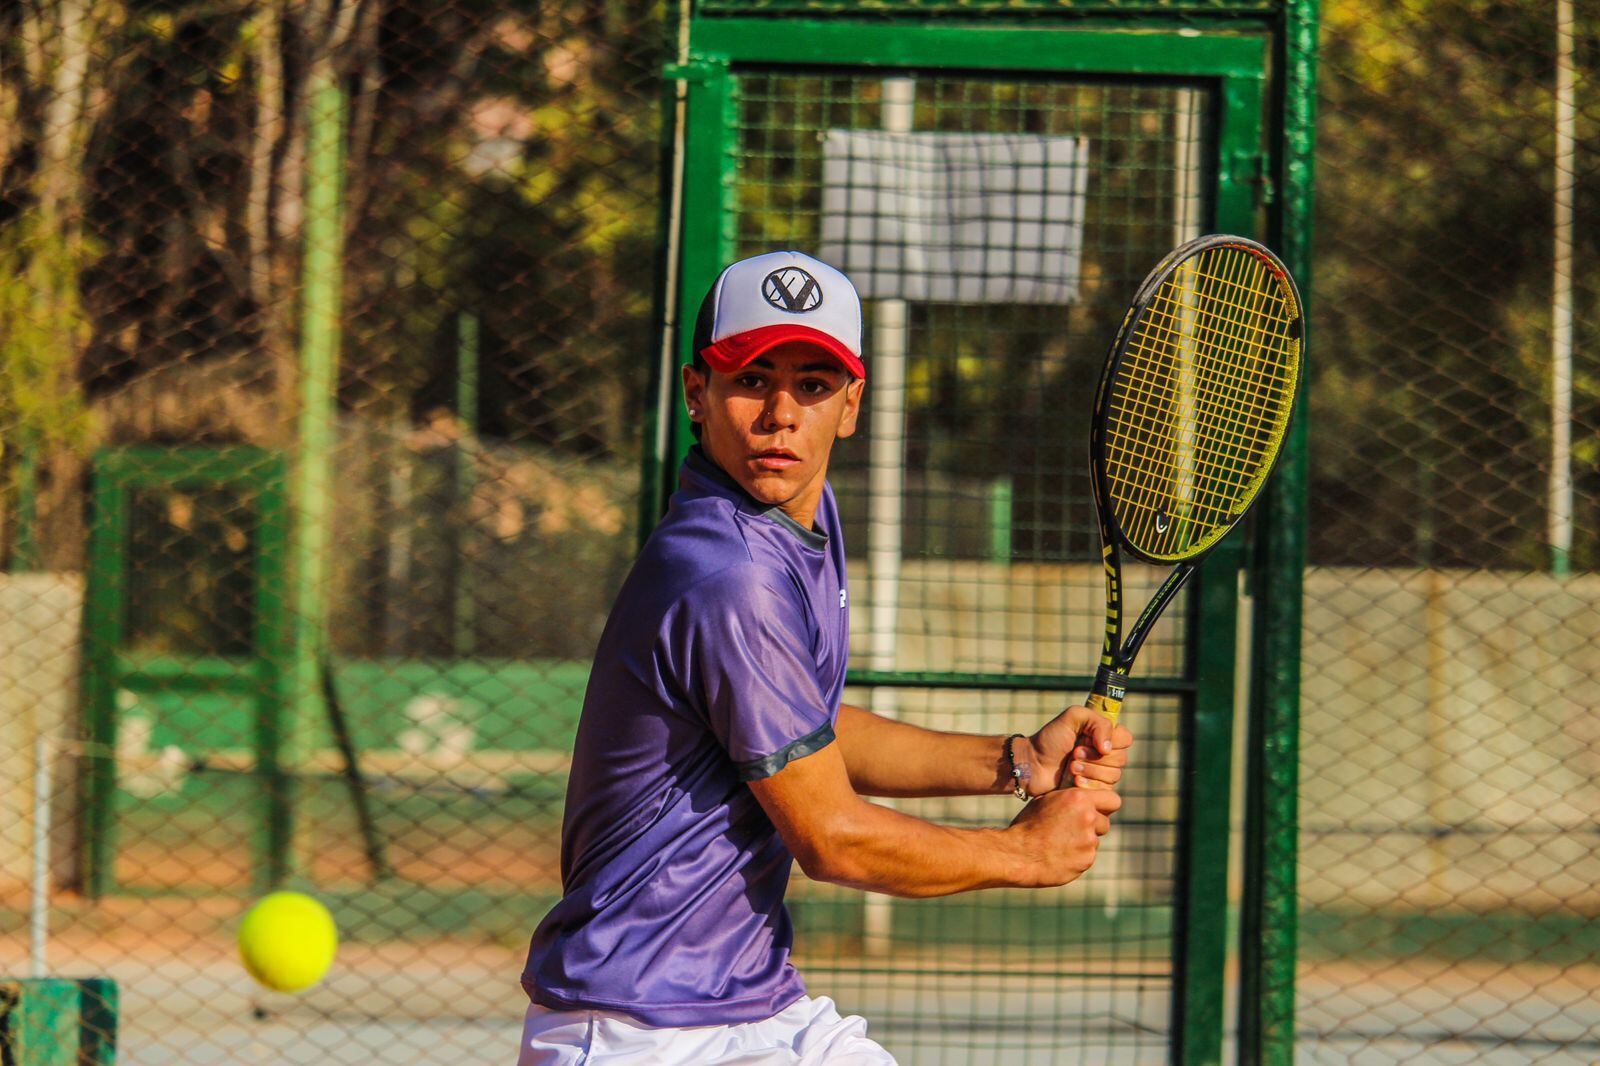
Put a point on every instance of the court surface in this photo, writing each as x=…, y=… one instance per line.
x=437, y=1001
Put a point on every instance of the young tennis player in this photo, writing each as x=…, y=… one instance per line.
x=713, y=749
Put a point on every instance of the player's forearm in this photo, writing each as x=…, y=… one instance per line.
x=882, y=850
x=890, y=758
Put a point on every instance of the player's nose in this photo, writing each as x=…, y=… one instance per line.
x=780, y=412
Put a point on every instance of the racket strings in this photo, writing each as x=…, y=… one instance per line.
x=1152, y=399
x=1204, y=479
x=1201, y=399
x=1216, y=386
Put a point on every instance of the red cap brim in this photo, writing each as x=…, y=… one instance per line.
x=731, y=353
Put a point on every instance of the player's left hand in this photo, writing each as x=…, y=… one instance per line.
x=1078, y=748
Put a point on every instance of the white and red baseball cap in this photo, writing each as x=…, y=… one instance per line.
x=779, y=298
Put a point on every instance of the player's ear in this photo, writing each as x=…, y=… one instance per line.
x=694, y=392
x=852, y=408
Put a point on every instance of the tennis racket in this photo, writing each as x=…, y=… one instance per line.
x=1190, y=415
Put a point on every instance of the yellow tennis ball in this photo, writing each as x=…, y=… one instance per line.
x=288, y=941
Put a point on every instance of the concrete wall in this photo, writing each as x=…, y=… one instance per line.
x=1450, y=744
x=1026, y=618
x=1450, y=720
x=39, y=663
x=1450, y=740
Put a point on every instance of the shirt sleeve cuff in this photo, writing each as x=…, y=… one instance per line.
x=756, y=769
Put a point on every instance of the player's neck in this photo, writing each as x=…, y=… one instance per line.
x=803, y=508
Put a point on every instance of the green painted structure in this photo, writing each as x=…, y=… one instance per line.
x=253, y=680
x=51, y=1021
x=1258, y=60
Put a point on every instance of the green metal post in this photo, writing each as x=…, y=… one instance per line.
x=466, y=457
x=274, y=645
x=104, y=612
x=26, y=554
x=658, y=420
x=107, y=668
x=58, y=1022
x=1201, y=941
x=311, y=494
x=1000, y=502
x=1268, y=923
x=710, y=168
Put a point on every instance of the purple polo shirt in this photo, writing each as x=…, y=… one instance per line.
x=723, y=660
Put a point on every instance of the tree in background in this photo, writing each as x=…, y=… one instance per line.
x=1430, y=395
x=500, y=157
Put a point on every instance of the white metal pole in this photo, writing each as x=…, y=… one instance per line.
x=886, y=458
x=1186, y=193
x=1185, y=227
x=886, y=489
x=886, y=478
x=1186, y=222
x=667, y=357
x=1560, y=505
x=39, y=907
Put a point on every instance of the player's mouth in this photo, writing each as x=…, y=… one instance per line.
x=775, y=459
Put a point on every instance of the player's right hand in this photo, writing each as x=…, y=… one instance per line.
x=1060, y=833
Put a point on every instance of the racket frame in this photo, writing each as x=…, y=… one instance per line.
x=1118, y=653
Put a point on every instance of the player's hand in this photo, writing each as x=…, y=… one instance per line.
x=1078, y=748
x=1060, y=833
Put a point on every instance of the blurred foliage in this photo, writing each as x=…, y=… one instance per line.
x=1431, y=301
x=42, y=326
x=501, y=158
x=995, y=394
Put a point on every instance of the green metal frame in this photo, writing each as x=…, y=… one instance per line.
x=54, y=1021
x=1235, y=65
x=312, y=471
x=25, y=551
x=1268, y=927
x=108, y=668
x=1122, y=9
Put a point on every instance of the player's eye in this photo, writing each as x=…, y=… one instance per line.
x=748, y=381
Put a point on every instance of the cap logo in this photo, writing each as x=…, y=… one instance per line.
x=793, y=290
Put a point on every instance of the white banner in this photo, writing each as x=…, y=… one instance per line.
x=955, y=217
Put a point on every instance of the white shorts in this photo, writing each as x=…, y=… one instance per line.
x=809, y=1032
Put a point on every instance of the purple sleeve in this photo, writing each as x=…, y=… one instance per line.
x=743, y=645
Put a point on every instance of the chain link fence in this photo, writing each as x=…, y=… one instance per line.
x=475, y=260
x=445, y=216
x=1450, y=743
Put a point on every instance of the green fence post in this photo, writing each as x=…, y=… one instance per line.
x=1201, y=935
x=668, y=311
x=25, y=553
x=466, y=466
x=1268, y=922
x=319, y=357
x=56, y=1022
x=1000, y=504
x=710, y=168
x=104, y=614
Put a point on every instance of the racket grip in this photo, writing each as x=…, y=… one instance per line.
x=1110, y=686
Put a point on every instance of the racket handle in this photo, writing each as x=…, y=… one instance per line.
x=1110, y=686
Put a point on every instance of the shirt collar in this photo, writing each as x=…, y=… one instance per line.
x=697, y=466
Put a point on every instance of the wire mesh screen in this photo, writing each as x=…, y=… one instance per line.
x=1449, y=745
x=990, y=385
x=212, y=218
x=968, y=513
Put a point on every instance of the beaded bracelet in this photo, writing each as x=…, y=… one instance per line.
x=1019, y=774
